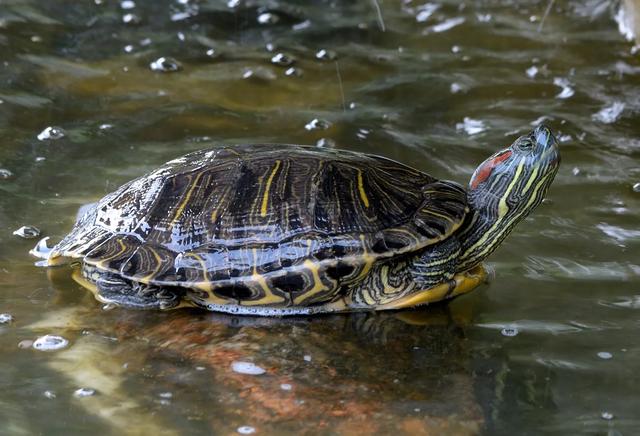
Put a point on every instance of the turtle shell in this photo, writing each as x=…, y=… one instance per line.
x=264, y=224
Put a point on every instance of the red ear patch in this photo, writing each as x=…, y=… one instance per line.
x=481, y=174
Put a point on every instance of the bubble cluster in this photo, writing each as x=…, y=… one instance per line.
x=509, y=331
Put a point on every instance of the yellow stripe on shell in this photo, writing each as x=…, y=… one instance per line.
x=265, y=198
x=318, y=286
x=269, y=296
x=363, y=194
x=123, y=248
x=184, y=202
x=146, y=279
x=368, y=259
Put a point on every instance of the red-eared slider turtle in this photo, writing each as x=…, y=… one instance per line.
x=288, y=230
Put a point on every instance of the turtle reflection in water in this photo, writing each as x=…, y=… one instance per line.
x=371, y=373
x=290, y=230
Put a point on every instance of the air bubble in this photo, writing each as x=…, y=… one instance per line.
x=6, y=318
x=609, y=114
x=131, y=19
x=455, y=88
x=608, y=416
x=248, y=368
x=246, y=429
x=325, y=55
x=27, y=232
x=363, y=134
x=268, y=18
x=5, y=174
x=52, y=133
x=636, y=187
x=325, y=143
x=50, y=343
x=165, y=65
x=293, y=72
x=605, y=355
x=471, y=127
x=286, y=387
x=282, y=60
x=567, y=90
x=259, y=74
x=49, y=394
x=317, y=124
x=84, y=392
x=127, y=4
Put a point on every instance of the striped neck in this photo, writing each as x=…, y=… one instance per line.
x=483, y=234
x=503, y=190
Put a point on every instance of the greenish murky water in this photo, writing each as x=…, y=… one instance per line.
x=550, y=347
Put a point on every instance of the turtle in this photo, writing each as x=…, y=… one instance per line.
x=274, y=230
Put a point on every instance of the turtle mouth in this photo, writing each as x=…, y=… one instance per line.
x=547, y=143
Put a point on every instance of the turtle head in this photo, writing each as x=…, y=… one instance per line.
x=505, y=188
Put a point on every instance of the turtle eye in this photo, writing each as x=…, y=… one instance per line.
x=525, y=144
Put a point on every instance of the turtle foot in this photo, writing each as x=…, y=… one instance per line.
x=133, y=295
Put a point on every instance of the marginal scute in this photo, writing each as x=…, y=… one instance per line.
x=265, y=224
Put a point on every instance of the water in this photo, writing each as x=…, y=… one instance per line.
x=442, y=87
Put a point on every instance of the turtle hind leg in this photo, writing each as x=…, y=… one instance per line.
x=111, y=288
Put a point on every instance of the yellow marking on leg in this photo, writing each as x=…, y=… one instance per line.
x=363, y=195
x=464, y=282
x=265, y=197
